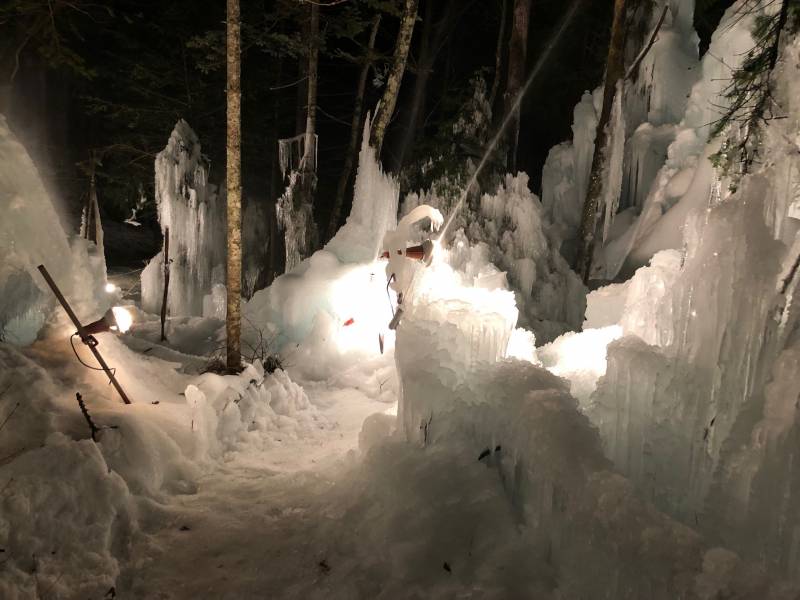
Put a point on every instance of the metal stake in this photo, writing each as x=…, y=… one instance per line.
x=85, y=337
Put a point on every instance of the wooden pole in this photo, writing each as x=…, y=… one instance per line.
x=166, y=284
x=85, y=337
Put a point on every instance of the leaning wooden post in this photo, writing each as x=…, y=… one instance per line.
x=166, y=284
x=85, y=337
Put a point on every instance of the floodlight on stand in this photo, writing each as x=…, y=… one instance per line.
x=117, y=316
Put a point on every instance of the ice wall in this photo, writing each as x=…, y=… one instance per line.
x=698, y=405
x=189, y=206
x=343, y=283
x=31, y=234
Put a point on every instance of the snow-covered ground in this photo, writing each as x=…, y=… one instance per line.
x=650, y=455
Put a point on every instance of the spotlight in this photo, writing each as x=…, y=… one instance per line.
x=110, y=288
x=116, y=319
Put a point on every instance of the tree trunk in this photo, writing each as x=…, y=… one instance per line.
x=517, y=57
x=309, y=162
x=165, y=297
x=498, y=55
x=430, y=46
x=615, y=70
x=386, y=108
x=233, y=324
x=355, y=129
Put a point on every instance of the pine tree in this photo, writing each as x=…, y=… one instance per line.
x=749, y=93
x=233, y=324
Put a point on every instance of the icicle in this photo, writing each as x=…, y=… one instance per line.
x=613, y=167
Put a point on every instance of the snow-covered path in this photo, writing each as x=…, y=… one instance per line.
x=250, y=530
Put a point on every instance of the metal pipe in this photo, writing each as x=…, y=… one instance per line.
x=86, y=338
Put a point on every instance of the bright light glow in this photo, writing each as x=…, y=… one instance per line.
x=584, y=351
x=110, y=288
x=522, y=346
x=123, y=317
x=359, y=299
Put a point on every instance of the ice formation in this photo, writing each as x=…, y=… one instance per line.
x=191, y=209
x=461, y=399
x=698, y=403
x=31, y=234
x=649, y=114
x=374, y=210
x=518, y=239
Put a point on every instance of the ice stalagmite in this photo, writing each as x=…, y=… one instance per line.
x=189, y=207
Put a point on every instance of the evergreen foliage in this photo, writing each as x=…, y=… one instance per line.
x=749, y=93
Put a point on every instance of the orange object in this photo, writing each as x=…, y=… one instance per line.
x=349, y=321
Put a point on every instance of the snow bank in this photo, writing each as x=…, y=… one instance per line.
x=65, y=521
x=71, y=507
x=511, y=496
x=31, y=234
x=190, y=208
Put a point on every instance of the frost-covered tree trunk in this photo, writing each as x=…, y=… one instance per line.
x=92, y=229
x=386, y=108
x=295, y=209
x=233, y=324
x=355, y=129
x=517, y=57
x=614, y=72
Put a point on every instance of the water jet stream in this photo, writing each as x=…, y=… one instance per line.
x=514, y=108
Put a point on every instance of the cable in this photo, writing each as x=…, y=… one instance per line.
x=80, y=360
x=388, y=295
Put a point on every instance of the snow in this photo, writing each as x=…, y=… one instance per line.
x=650, y=455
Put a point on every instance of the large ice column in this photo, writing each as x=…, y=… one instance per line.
x=374, y=209
x=190, y=208
x=31, y=234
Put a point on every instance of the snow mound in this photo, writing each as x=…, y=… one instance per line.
x=65, y=521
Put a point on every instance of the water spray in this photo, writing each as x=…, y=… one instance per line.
x=440, y=240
